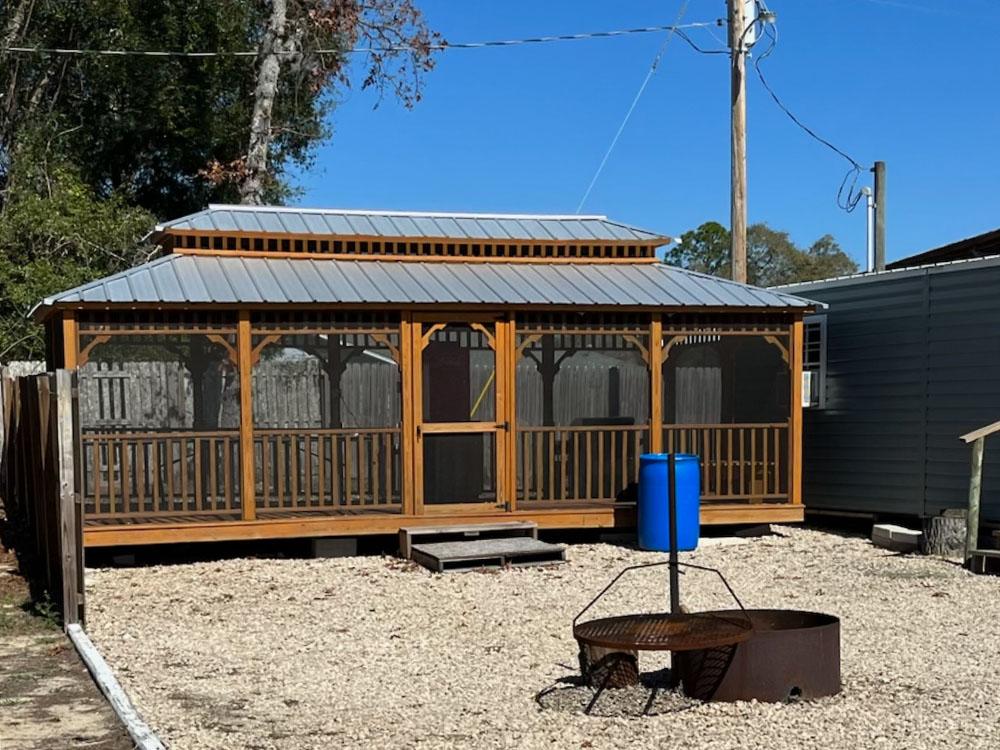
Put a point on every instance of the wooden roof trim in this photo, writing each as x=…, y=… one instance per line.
x=306, y=237
x=474, y=309
x=413, y=258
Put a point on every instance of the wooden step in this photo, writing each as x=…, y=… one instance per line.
x=408, y=535
x=486, y=553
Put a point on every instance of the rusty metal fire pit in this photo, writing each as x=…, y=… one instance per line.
x=790, y=655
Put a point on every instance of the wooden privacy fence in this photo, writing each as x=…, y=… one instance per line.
x=39, y=485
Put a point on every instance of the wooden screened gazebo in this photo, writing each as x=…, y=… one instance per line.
x=284, y=372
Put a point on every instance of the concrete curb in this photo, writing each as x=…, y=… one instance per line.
x=138, y=730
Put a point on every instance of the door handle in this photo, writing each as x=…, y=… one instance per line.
x=505, y=426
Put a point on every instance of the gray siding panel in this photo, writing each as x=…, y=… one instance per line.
x=913, y=362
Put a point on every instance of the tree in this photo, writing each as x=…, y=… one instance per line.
x=772, y=257
x=94, y=148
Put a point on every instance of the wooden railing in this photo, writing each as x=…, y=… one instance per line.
x=558, y=464
x=136, y=475
x=303, y=469
x=739, y=462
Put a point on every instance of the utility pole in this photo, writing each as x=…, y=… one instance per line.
x=738, y=139
x=879, y=170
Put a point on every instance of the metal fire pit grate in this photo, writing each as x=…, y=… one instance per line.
x=663, y=632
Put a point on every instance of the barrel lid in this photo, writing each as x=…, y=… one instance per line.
x=656, y=457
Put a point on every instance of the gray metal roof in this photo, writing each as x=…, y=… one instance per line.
x=199, y=279
x=409, y=224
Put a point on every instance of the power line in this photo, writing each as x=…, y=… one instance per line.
x=848, y=196
x=437, y=47
x=635, y=101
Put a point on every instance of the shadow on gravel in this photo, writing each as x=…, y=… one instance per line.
x=654, y=696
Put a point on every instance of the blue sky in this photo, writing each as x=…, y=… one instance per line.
x=915, y=83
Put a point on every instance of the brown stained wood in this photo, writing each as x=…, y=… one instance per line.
x=718, y=462
x=744, y=489
x=563, y=470
x=321, y=442
x=777, y=460
x=293, y=470
x=551, y=463
x=765, y=443
x=594, y=515
x=576, y=466
x=362, y=465
x=623, y=466
x=265, y=471
x=227, y=483
x=279, y=471
x=212, y=496
x=375, y=470
x=601, y=484
x=182, y=446
x=244, y=348
x=125, y=475
x=589, y=492
x=84, y=354
x=539, y=487
x=71, y=340
x=408, y=433
x=199, y=497
x=729, y=462
x=655, y=363
x=111, y=477
x=307, y=480
x=335, y=472
x=706, y=459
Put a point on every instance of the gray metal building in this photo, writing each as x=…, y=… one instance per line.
x=905, y=362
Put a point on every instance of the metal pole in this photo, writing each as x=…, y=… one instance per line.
x=675, y=595
x=870, y=231
x=738, y=141
x=879, y=170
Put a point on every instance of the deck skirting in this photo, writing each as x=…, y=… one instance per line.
x=570, y=517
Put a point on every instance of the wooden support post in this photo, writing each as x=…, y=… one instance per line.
x=244, y=348
x=510, y=359
x=656, y=384
x=975, y=489
x=407, y=433
x=71, y=340
x=795, y=415
x=70, y=532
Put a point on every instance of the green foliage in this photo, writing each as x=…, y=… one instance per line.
x=772, y=257
x=94, y=148
x=56, y=233
x=147, y=128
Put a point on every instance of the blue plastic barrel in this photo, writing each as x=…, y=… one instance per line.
x=654, y=514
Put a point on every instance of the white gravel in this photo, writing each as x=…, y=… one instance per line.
x=372, y=652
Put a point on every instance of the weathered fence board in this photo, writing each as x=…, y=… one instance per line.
x=39, y=485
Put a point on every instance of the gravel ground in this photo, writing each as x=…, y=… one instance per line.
x=373, y=652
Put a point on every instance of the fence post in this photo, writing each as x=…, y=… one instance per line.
x=70, y=533
x=975, y=487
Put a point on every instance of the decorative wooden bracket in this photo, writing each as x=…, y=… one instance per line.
x=525, y=343
x=430, y=332
x=674, y=340
x=266, y=341
x=231, y=352
x=775, y=341
x=85, y=351
x=383, y=339
x=486, y=332
x=635, y=341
